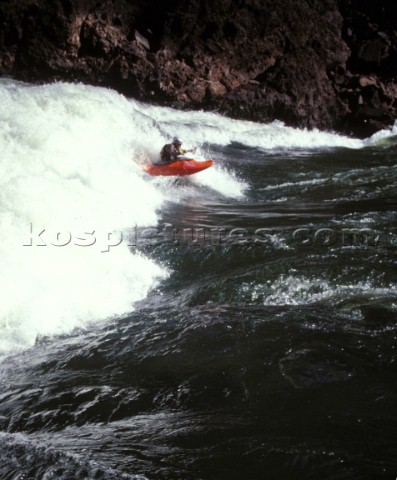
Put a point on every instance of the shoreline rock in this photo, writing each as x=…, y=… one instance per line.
x=328, y=65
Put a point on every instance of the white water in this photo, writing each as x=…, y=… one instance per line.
x=212, y=128
x=69, y=164
x=70, y=169
x=294, y=289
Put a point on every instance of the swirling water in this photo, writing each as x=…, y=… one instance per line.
x=240, y=323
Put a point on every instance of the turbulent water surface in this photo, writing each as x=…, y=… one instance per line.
x=240, y=323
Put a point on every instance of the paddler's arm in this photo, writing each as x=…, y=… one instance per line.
x=182, y=151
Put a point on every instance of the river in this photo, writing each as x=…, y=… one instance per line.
x=238, y=323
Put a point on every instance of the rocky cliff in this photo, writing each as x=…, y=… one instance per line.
x=328, y=64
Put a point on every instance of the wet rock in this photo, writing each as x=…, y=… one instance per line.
x=216, y=88
x=142, y=40
x=367, y=81
x=373, y=51
x=329, y=64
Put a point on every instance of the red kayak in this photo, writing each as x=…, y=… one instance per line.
x=180, y=167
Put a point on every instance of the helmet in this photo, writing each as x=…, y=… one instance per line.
x=176, y=141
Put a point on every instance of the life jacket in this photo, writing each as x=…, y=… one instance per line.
x=169, y=153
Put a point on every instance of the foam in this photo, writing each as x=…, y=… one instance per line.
x=382, y=136
x=212, y=128
x=301, y=290
x=70, y=167
x=67, y=167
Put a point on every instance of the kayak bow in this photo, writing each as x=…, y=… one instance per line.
x=180, y=167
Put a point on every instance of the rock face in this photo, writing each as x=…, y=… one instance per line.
x=310, y=63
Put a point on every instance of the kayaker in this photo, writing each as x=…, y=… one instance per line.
x=170, y=152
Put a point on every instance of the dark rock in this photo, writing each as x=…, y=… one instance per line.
x=373, y=51
x=329, y=64
x=142, y=40
x=369, y=31
x=367, y=81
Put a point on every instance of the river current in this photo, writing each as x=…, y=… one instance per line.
x=239, y=323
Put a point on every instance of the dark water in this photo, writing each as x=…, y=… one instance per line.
x=269, y=352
